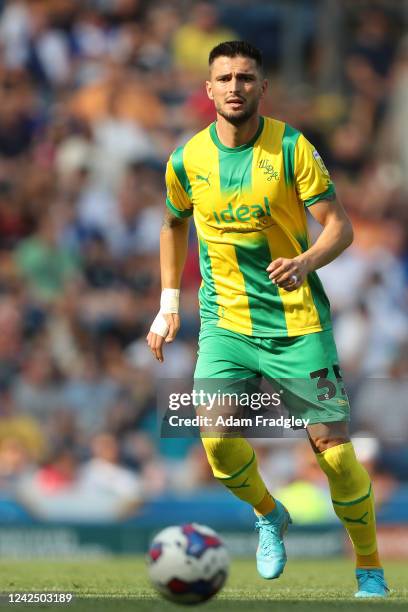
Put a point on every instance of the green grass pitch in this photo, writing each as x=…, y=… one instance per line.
x=120, y=584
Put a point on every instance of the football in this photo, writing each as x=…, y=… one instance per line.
x=188, y=564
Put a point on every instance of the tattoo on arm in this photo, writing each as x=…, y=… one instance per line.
x=330, y=198
x=171, y=220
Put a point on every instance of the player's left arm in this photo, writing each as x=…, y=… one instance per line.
x=316, y=190
x=336, y=236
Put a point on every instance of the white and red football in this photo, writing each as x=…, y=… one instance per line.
x=188, y=564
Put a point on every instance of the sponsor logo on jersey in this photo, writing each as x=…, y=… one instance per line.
x=269, y=170
x=243, y=212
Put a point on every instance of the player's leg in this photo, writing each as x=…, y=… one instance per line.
x=225, y=360
x=353, y=501
x=234, y=464
x=226, y=366
x=307, y=370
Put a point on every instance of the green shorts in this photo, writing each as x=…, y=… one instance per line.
x=304, y=369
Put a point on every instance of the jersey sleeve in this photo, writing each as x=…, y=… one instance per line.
x=178, y=198
x=313, y=182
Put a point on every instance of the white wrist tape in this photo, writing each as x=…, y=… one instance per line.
x=159, y=326
x=169, y=301
x=169, y=304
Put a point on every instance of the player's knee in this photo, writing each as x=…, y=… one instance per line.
x=228, y=455
x=340, y=464
x=323, y=443
x=214, y=447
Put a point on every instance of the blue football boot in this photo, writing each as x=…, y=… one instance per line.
x=371, y=583
x=271, y=553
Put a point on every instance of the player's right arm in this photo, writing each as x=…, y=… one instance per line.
x=173, y=253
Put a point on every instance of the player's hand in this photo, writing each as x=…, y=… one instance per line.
x=288, y=274
x=173, y=321
x=156, y=341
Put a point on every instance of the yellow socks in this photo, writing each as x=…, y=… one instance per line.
x=234, y=464
x=367, y=561
x=353, y=500
x=266, y=505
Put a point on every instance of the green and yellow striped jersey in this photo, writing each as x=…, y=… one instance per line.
x=249, y=208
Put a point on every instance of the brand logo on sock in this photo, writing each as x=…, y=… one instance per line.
x=243, y=485
x=360, y=520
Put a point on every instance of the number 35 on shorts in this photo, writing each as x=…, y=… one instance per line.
x=326, y=387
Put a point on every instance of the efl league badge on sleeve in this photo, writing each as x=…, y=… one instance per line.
x=320, y=162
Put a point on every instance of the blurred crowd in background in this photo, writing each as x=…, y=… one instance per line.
x=94, y=96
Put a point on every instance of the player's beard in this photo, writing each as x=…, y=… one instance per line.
x=240, y=117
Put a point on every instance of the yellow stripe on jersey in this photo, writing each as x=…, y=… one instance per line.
x=229, y=284
x=300, y=311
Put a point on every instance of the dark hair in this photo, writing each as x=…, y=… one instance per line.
x=233, y=48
